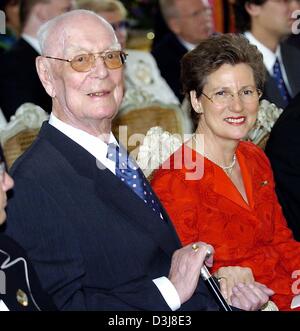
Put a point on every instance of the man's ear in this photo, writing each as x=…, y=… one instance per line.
x=252, y=9
x=46, y=77
x=174, y=25
x=197, y=106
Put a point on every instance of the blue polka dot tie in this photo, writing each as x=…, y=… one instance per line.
x=129, y=173
x=277, y=74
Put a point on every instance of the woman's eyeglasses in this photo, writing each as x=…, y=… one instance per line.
x=246, y=95
x=85, y=62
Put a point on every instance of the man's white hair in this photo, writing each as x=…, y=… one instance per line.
x=47, y=28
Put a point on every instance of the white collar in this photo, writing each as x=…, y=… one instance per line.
x=186, y=44
x=92, y=144
x=269, y=57
x=33, y=42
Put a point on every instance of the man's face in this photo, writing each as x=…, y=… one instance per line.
x=86, y=100
x=58, y=7
x=194, y=20
x=273, y=18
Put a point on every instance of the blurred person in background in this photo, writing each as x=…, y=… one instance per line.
x=284, y=153
x=266, y=23
x=12, y=24
x=19, y=82
x=190, y=21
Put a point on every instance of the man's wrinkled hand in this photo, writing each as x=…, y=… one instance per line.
x=185, y=268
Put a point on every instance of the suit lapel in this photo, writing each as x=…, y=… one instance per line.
x=120, y=197
x=224, y=186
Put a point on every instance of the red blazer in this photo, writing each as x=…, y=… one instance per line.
x=211, y=209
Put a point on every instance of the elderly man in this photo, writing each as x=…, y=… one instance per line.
x=95, y=243
x=190, y=22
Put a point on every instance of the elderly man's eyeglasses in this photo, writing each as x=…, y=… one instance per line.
x=247, y=95
x=85, y=62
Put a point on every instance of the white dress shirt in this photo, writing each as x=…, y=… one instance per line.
x=186, y=44
x=98, y=149
x=269, y=58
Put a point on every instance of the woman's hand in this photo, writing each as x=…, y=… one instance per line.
x=250, y=297
x=229, y=277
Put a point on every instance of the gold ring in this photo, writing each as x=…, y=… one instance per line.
x=195, y=247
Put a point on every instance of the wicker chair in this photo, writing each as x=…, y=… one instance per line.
x=17, y=145
x=21, y=131
x=131, y=125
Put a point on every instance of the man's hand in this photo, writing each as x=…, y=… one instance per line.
x=250, y=297
x=229, y=277
x=185, y=268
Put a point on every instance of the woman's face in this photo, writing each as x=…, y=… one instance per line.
x=6, y=183
x=229, y=102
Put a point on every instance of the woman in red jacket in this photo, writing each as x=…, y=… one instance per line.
x=224, y=193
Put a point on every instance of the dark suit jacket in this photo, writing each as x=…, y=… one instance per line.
x=19, y=81
x=293, y=40
x=290, y=58
x=13, y=278
x=283, y=150
x=94, y=243
x=168, y=53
